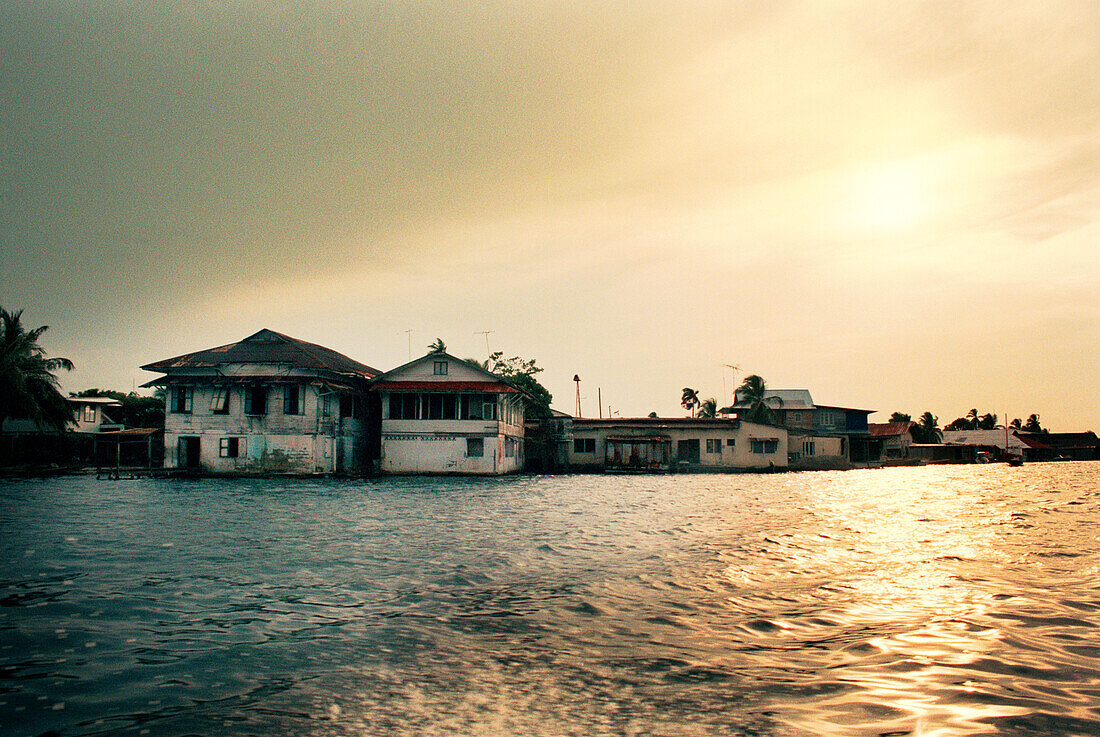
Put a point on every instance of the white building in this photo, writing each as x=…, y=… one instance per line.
x=442, y=415
x=268, y=404
x=88, y=417
x=675, y=444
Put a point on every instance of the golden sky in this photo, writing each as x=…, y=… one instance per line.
x=897, y=208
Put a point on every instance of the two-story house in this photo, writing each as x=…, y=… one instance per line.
x=441, y=415
x=267, y=404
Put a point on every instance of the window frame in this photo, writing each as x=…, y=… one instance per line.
x=219, y=403
x=251, y=393
x=181, y=400
x=475, y=443
x=439, y=368
x=229, y=447
x=293, y=399
x=581, y=444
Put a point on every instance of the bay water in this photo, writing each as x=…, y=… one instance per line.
x=937, y=600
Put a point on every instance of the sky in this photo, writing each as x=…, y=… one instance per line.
x=893, y=205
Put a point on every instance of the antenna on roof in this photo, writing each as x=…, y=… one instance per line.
x=409, y=332
x=488, y=353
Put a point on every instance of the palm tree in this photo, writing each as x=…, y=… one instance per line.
x=437, y=346
x=753, y=393
x=28, y=387
x=900, y=417
x=987, y=422
x=1032, y=424
x=927, y=430
x=972, y=418
x=708, y=408
x=689, y=400
x=1016, y=424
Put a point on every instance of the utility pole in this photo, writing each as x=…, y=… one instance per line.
x=409, y=332
x=577, y=381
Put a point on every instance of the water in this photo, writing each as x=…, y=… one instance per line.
x=926, y=601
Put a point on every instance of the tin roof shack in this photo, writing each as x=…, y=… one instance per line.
x=442, y=415
x=267, y=404
x=1060, y=446
x=657, y=444
x=940, y=453
x=995, y=444
x=896, y=437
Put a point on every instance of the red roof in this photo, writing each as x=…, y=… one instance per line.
x=888, y=429
x=446, y=386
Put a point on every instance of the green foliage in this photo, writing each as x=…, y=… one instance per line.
x=28, y=386
x=1032, y=424
x=521, y=374
x=926, y=430
x=900, y=417
x=689, y=399
x=708, y=408
x=437, y=346
x=753, y=393
x=653, y=415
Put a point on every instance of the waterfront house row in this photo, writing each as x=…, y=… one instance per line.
x=276, y=404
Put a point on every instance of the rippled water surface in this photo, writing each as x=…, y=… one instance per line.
x=925, y=601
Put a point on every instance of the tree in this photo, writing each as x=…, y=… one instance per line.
x=1016, y=424
x=926, y=430
x=708, y=408
x=1032, y=424
x=987, y=422
x=653, y=415
x=689, y=400
x=753, y=393
x=437, y=346
x=28, y=386
x=972, y=418
x=900, y=417
x=959, y=423
x=521, y=374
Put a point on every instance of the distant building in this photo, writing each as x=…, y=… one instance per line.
x=896, y=437
x=267, y=404
x=442, y=415
x=1060, y=446
x=992, y=440
x=656, y=444
x=795, y=409
x=89, y=416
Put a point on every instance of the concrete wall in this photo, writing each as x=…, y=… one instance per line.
x=738, y=456
x=440, y=446
x=315, y=441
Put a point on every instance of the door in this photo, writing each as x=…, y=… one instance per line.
x=187, y=452
x=687, y=451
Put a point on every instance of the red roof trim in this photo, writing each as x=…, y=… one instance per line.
x=446, y=386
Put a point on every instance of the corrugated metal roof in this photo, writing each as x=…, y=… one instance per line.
x=268, y=346
x=888, y=429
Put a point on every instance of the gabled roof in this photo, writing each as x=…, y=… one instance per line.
x=490, y=382
x=785, y=398
x=267, y=346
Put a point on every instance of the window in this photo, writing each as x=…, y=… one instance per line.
x=351, y=406
x=439, y=368
x=475, y=447
x=584, y=445
x=219, y=403
x=765, y=447
x=292, y=400
x=255, y=400
x=229, y=447
x=89, y=413
x=510, y=447
x=794, y=417
x=732, y=442
x=714, y=445
x=403, y=406
x=807, y=447
x=477, y=407
x=181, y=399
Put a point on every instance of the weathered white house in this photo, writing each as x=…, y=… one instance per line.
x=442, y=415
x=675, y=444
x=88, y=417
x=267, y=404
